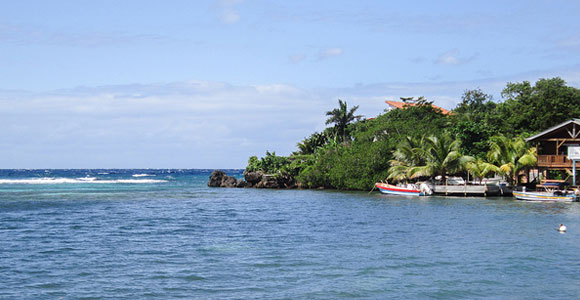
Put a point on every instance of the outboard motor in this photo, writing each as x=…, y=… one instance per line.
x=426, y=189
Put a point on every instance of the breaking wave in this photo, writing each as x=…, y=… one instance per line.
x=76, y=180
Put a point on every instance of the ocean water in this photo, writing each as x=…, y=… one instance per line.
x=163, y=234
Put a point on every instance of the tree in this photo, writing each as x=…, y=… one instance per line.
x=341, y=117
x=442, y=157
x=474, y=105
x=511, y=156
x=530, y=108
x=270, y=164
x=473, y=123
x=310, y=144
x=407, y=155
x=480, y=168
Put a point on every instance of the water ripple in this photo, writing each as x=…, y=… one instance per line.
x=180, y=239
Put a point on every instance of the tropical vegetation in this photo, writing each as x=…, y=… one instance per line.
x=481, y=137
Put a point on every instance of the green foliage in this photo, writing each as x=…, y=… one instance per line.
x=315, y=141
x=480, y=168
x=269, y=164
x=356, y=166
x=364, y=161
x=474, y=137
x=428, y=157
x=420, y=141
x=511, y=156
x=296, y=165
x=474, y=105
x=342, y=117
x=557, y=174
x=409, y=153
x=253, y=164
x=534, y=108
x=473, y=122
x=395, y=125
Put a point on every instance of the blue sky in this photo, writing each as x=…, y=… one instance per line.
x=206, y=84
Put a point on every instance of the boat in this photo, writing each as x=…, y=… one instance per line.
x=408, y=190
x=555, y=196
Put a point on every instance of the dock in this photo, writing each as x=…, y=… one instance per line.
x=469, y=190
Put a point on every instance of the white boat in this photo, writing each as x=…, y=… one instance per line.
x=556, y=196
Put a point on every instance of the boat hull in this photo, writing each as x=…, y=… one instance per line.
x=396, y=190
x=538, y=196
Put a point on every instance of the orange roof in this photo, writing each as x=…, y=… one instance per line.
x=400, y=105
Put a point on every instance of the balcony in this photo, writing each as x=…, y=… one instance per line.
x=554, y=161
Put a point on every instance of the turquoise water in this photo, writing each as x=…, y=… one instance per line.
x=163, y=234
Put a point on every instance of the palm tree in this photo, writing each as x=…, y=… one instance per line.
x=407, y=155
x=442, y=157
x=511, y=156
x=310, y=144
x=480, y=168
x=341, y=117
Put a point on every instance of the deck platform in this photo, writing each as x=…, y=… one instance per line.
x=469, y=190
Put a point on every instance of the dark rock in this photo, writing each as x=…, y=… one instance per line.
x=216, y=178
x=242, y=183
x=253, y=177
x=269, y=182
x=220, y=179
x=286, y=181
x=229, y=181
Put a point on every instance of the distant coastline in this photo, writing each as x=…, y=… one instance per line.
x=415, y=140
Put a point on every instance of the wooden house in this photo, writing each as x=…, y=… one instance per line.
x=553, y=145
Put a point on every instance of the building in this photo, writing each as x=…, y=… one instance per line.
x=400, y=105
x=556, y=147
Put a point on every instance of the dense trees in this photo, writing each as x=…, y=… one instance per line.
x=480, y=136
x=475, y=122
x=528, y=108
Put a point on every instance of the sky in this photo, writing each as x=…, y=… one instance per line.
x=207, y=84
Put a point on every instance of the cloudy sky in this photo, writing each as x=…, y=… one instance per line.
x=206, y=84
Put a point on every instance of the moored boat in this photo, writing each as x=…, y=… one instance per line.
x=409, y=190
x=556, y=196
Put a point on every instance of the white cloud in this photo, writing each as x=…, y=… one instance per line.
x=296, y=58
x=228, y=13
x=230, y=16
x=449, y=58
x=34, y=35
x=571, y=41
x=195, y=124
x=452, y=57
x=329, y=52
x=186, y=124
x=567, y=46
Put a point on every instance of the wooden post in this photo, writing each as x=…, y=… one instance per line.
x=573, y=172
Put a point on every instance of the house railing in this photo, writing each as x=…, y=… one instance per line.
x=554, y=161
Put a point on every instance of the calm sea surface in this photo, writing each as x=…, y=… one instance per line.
x=163, y=234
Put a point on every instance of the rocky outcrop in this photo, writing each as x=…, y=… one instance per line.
x=220, y=179
x=215, y=179
x=268, y=181
x=229, y=181
x=251, y=179
x=242, y=183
